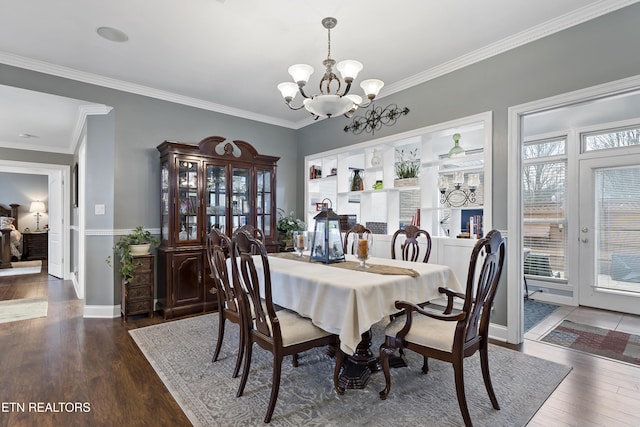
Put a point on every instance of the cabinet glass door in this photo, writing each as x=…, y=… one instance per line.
x=216, y=198
x=263, y=201
x=164, y=200
x=240, y=191
x=187, y=200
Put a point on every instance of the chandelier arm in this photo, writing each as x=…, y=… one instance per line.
x=347, y=89
x=300, y=88
x=292, y=107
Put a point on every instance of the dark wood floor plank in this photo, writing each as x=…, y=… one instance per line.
x=65, y=357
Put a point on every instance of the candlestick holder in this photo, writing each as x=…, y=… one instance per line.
x=300, y=242
x=364, y=244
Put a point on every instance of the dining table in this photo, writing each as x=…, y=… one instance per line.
x=347, y=300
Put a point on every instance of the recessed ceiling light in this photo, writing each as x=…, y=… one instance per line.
x=26, y=135
x=112, y=34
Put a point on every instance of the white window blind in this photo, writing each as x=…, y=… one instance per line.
x=544, y=185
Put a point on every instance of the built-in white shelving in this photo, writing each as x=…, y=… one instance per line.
x=396, y=206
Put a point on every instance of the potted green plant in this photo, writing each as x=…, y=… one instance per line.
x=138, y=242
x=287, y=224
x=407, y=168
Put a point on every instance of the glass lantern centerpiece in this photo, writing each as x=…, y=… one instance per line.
x=327, y=241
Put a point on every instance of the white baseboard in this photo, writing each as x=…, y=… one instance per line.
x=498, y=332
x=101, y=311
x=76, y=285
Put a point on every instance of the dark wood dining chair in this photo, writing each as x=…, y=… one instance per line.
x=255, y=232
x=409, y=249
x=283, y=333
x=229, y=307
x=359, y=231
x=449, y=336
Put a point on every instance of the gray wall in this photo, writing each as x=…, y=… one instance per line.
x=592, y=53
x=596, y=52
x=130, y=167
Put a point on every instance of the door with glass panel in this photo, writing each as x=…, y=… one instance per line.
x=264, y=200
x=188, y=203
x=609, y=235
x=216, y=197
x=240, y=197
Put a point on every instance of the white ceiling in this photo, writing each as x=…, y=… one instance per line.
x=229, y=55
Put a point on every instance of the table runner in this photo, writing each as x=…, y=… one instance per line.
x=353, y=265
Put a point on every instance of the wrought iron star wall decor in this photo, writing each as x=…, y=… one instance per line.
x=375, y=118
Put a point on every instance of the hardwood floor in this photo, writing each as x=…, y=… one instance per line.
x=66, y=358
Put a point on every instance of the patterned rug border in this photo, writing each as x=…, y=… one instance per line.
x=567, y=332
x=308, y=399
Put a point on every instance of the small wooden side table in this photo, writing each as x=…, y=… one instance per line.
x=35, y=245
x=137, y=295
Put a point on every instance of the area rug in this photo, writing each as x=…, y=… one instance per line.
x=22, y=267
x=22, y=309
x=180, y=352
x=602, y=342
x=535, y=312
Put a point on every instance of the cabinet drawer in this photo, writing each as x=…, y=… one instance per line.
x=143, y=263
x=134, y=307
x=142, y=278
x=136, y=292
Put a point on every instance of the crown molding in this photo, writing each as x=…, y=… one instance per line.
x=98, y=80
x=552, y=26
x=537, y=32
x=83, y=112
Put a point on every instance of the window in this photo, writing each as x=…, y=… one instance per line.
x=544, y=184
x=608, y=139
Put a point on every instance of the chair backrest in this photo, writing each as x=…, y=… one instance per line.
x=410, y=249
x=218, y=250
x=265, y=321
x=255, y=232
x=479, y=295
x=359, y=231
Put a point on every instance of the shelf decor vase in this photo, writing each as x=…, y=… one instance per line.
x=376, y=160
x=356, y=181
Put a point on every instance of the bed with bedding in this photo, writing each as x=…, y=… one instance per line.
x=11, y=238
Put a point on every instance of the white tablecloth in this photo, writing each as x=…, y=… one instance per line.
x=348, y=302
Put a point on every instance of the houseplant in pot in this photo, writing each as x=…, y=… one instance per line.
x=138, y=242
x=287, y=224
x=407, y=168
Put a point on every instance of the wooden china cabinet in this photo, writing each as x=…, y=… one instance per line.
x=212, y=184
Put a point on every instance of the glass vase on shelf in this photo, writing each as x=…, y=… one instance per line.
x=356, y=180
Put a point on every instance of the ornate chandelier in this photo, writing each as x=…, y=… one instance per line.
x=330, y=101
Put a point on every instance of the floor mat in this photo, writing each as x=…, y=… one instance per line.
x=603, y=342
x=535, y=312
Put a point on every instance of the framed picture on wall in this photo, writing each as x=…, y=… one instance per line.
x=74, y=185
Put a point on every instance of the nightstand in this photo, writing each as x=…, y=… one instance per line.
x=137, y=295
x=35, y=245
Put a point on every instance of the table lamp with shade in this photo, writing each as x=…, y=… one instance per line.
x=39, y=208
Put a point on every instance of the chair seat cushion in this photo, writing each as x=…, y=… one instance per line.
x=296, y=329
x=425, y=331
